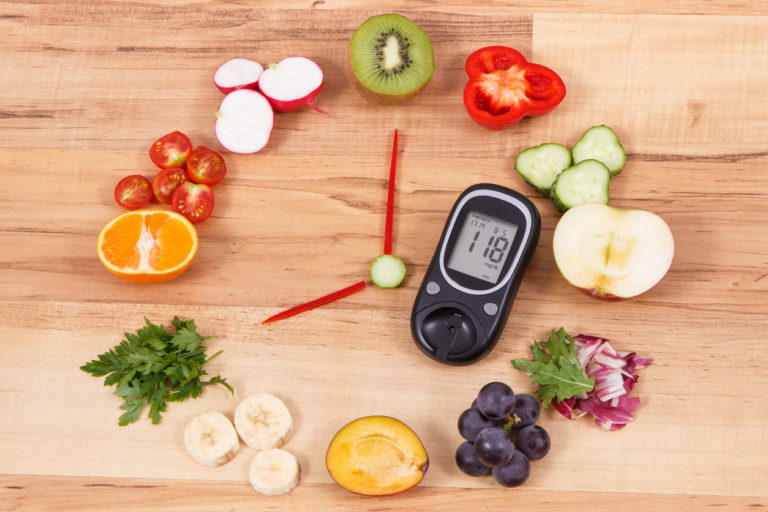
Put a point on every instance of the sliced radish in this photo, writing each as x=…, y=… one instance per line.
x=291, y=83
x=237, y=73
x=244, y=121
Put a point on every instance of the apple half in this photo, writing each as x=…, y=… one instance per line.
x=611, y=253
x=376, y=456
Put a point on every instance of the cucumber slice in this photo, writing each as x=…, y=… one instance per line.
x=600, y=143
x=585, y=182
x=540, y=165
x=387, y=271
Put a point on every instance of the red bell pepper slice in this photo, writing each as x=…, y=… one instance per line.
x=503, y=87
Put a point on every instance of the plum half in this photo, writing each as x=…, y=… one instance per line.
x=376, y=456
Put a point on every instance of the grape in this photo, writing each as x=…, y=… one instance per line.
x=515, y=472
x=495, y=400
x=467, y=460
x=494, y=446
x=471, y=422
x=533, y=441
x=527, y=411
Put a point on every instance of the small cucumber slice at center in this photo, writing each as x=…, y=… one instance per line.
x=585, y=182
x=600, y=143
x=387, y=271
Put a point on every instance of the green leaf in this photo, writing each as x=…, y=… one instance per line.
x=158, y=403
x=555, y=369
x=153, y=331
x=144, y=359
x=186, y=339
x=133, y=410
x=193, y=389
x=155, y=367
x=129, y=390
x=219, y=380
x=559, y=344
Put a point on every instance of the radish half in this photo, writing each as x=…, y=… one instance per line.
x=244, y=121
x=237, y=73
x=291, y=83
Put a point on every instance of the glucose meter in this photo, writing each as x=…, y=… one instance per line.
x=464, y=300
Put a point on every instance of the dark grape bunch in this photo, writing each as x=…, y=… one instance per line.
x=502, y=436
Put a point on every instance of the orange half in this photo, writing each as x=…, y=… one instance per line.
x=147, y=246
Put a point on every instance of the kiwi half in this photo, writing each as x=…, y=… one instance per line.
x=391, y=58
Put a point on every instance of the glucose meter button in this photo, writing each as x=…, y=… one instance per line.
x=432, y=288
x=490, y=308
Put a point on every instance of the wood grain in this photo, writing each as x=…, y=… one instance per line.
x=335, y=207
x=87, y=86
x=107, y=494
x=377, y=369
x=494, y=7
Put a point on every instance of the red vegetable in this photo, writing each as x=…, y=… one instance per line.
x=171, y=150
x=206, y=166
x=503, y=87
x=133, y=191
x=316, y=303
x=390, y=199
x=194, y=201
x=165, y=183
x=293, y=83
x=609, y=402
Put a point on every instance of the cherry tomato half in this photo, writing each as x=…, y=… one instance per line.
x=165, y=183
x=194, y=201
x=171, y=150
x=206, y=166
x=133, y=191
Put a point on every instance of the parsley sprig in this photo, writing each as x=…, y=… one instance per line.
x=555, y=368
x=155, y=367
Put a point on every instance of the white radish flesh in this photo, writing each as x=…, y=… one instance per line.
x=244, y=121
x=292, y=83
x=237, y=73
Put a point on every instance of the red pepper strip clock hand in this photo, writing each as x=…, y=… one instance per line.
x=390, y=199
x=316, y=303
x=387, y=251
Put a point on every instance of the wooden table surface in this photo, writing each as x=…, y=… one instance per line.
x=87, y=86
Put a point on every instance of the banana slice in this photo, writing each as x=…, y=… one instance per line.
x=263, y=421
x=211, y=439
x=274, y=472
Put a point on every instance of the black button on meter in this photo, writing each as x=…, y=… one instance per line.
x=487, y=242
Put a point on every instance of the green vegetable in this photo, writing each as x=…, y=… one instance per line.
x=540, y=165
x=585, y=182
x=387, y=271
x=600, y=143
x=155, y=367
x=555, y=368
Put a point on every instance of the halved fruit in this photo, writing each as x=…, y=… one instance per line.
x=610, y=253
x=391, y=58
x=147, y=246
x=376, y=456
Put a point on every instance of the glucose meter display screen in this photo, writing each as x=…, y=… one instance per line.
x=482, y=246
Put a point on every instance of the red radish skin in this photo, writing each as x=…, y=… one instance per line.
x=292, y=83
x=237, y=73
x=244, y=122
